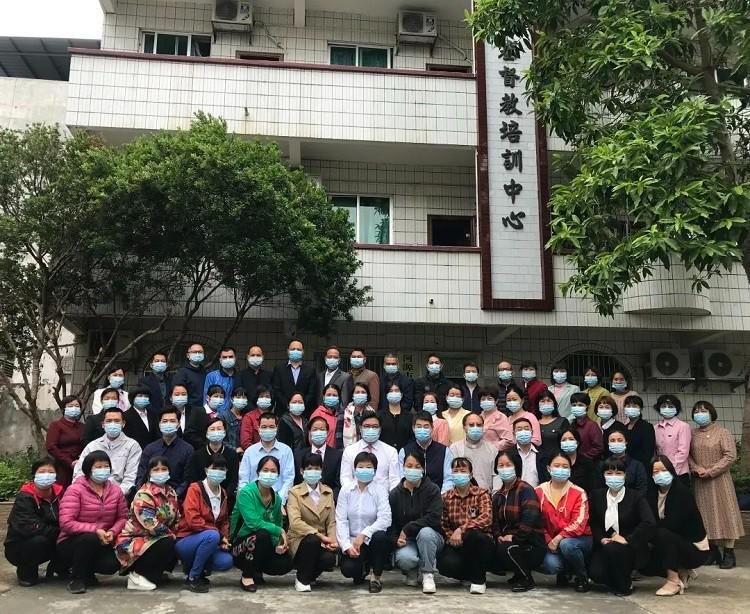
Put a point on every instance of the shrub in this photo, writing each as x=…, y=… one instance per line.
x=15, y=470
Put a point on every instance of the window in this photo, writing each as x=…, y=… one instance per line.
x=578, y=362
x=177, y=44
x=267, y=57
x=466, y=70
x=451, y=230
x=370, y=216
x=354, y=55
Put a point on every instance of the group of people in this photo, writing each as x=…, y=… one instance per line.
x=289, y=469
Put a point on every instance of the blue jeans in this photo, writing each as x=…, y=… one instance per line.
x=200, y=552
x=421, y=552
x=571, y=556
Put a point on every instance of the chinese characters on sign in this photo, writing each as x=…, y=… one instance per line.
x=509, y=130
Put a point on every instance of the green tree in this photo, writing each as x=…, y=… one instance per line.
x=652, y=98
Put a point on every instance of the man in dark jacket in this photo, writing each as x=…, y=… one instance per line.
x=192, y=375
x=438, y=457
x=158, y=381
x=255, y=375
x=433, y=381
x=392, y=375
x=294, y=376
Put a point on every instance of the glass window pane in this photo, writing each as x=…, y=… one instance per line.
x=344, y=56
x=200, y=46
x=165, y=44
x=374, y=220
x=349, y=204
x=148, y=42
x=182, y=45
x=375, y=58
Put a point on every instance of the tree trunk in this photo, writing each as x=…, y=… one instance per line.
x=745, y=442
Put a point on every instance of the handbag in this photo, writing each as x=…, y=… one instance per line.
x=245, y=547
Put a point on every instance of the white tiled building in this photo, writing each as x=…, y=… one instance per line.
x=405, y=136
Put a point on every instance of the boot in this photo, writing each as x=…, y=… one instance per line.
x=728, y=562
x=714, y=557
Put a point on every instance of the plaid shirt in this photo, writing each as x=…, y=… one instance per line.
x=516, y=512
x=474, y=511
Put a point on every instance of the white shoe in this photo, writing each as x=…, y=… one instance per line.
x=412, y=577
x=477, y=589
x=301, y=588
x=428, y=584
x=136, y=582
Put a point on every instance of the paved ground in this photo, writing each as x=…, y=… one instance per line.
x=720, y=591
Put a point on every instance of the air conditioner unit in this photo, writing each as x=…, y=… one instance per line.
x=723, y=366
x=417, y=28
x=670, y=364
x=233, y=15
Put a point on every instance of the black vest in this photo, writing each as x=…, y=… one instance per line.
x=434, y=459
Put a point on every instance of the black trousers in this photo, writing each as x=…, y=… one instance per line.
x=672, y=551
x=521, y=559
x=311, y=559
x=85, y=556
x=469, y=561
x=156, y=559
x=612, y=565
x=372, y=556
x=264, y=559
x=28, y=554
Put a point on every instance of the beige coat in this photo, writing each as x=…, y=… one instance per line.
x=307, y=519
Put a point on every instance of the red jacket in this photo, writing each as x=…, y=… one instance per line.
x=534, y=390
x=197, y=514
x=330, y=418
x=65, y=446
x=570, y=518
x=83, y=511
x=249, y=428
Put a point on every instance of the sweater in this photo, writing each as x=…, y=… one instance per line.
x=251, y=515
x=64, y=445
x=197, y=514
x=33, y=516
x=516, y=512
x=84, y=511
x=369, y=379
x=570, y=517
x=414, y=510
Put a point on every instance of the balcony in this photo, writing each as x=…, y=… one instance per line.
x=667, y=292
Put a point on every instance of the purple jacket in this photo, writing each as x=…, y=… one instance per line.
x=83, y=511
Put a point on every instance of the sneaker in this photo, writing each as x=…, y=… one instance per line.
x=203, y=579
x=301, y=588
x=194, y=585
x=76, y=587
x=428, y=584
x=477, y=589
x=412, y=577
x=524, y=584
x=136, y=582
x=375, y=586
x=582, y=585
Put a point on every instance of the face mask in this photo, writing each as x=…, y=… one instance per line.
x=295, y=355
x=158, y=367
x=461, y=479
x=116, y=381
x=422, y=434
x=44, y=480
x=546, y=408
x=523, y=437
x=196, y=357
x=454, y=402
x=668, y=412
x=507, y=474
x=216, y=436
x=331, y=402
x=141, y=402
x=569, y=446
x=471, y=376
x=390, y=369
x=578, y=411
x=633, y=412
x=357, y=363
x=560, y=376
x=591, y=380
x=394, y=398
x=239, y=403
x=359, y=398
x=371, y=434
x=312, y=476
x=528, y=374
x=264, y=402
x=101, y=475
x=702, y=418
x=430, y=407
x=168, y=428
x=255, y=361
x=487, y=404
x=227, y=363
x=617, y=447
x=113, y=429
x=109, y=404
x=505, y=375
x=318, y=438
x=474, y=432
x=559, y=474
x=268, y=478
x=619, y=386
x=513, y=406
x=179, y=400
x=267, y=434
x=614, y=482
x=216, y=476
x=413, y=475
x=604, y=414
x=73, y=412
x=663, y=478
x=215, y=402
x=364, y=474
x=297, y=409
x=434, y=368
x=332, y=363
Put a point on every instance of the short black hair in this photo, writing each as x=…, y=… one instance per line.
x=513, y=457
x=660, y=458
x=42, y=462
x=69, y=399
x=572, y=431
x=214, y=389
x=158, y=460
x=547, y=395
x=367, y=415
x=633, y=399
x=668, y=398
x=97, y=456
x=366, y=389
x=596, y=371
x=469, y=415
x=489, y=391
x=462, y=461
x=470, y=364
x=139, y=390
x=216, y=460
x=706, y=405
x=110, y=390
x=170, y=409
x=434, y=355
x=559, y=454
x=580, y=397
x=528, y=364
x=259, y=390
x=228, y=348
x=518, y=421
x=612, y=464
x=312, y=460
x=358, y=349
x=112, y=410
x=366, y=457
x=422, y=415
x=267, y=458
x=268, y=415
x=239, y=392
x=332, y=387
x=315, y=420
x=622, y=429
x=214, y=420
x=417, y=455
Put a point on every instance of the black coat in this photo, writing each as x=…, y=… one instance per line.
x=471, y=398
x=405, y=384
x=438, y=385
x=250, y=380
x=412, y=511
x=135, y=429
x=196, y=425
x=291, y=434
x=284, y=386
x=615, y=426
x=152, y=381
x=681, y=514
x=331, y=468
x=196, y=469
x=92, y=429
x=32, y=517
x=582, y=473
x=395, y=430
x=642, y=441
x=635, y=475
x=192, y=378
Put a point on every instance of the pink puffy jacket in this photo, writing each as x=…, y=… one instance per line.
x=83, y=511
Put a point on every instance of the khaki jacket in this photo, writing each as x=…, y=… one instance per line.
x=307, y=519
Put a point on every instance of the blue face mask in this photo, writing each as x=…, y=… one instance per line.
x=295, y=355
x=560, y=377
x=160, y=478
x=318, y=438
x=264, y=402
x=296, y=409
x=663, y=478
x=359, y=398
x=505, y=375
x=702, y=418
x=390, y=369
x=141, y=402
x=507, y=474
x=471, y=376
x=474, y=432
x=370, y=434
x=267, y=434
x=179, y=400
x=569, y=446
x=227, y=363
x=44, y=480
x=559, y=474
x=523, y=437
x=633, y=412
x=528, y=374
x=215, y=402
x=113, y=429
x=422, y=434
x=312, y=476
x=239, y=403
x=578, y=411
x=413, y=475
x=109, y=404
x=546, y=408
x=357, y=362
x=434, y=368
x=614, y=482
x=158, y=367
x=619, y=386
x=101, y=475
x=216, y=436
x=454, y=402
x=487, y=404
x=196, y=357
x=668, y=411
x=513, y=406
x=364, y=474
x=216, y=476
x=430, y=407
x=268, y=478
x=604, y=414
x=591, y=380
x=255, y=361
x=617, y=447
x=168, y=428
x=394, y=398
x=332, y=363
x=116, y=381
x=73, y=412
x=331, y=402
x=461, y=479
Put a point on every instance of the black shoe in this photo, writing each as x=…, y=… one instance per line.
x=27, y=577
x=514, y=579
x=248, y=588
x=729, y=561
x=203, y=579
x=626, y=593
x=714, y=557
x=76, y=587
x=562, y=580
x=375, y=586
x=358, y=581
x=194, y=585
x=524, y=584
x=582, y=585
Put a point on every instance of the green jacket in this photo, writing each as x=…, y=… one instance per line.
x=253, y=515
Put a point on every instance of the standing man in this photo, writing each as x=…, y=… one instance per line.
x=225, y=376
x=294, y=376
x=392, y=375
x=432, y=381
x=255, y=375
x=533, y=386
x=470, y=387
x=334, y=375
x=192, y=376
x=158, y=381
x=504, y=382
x=362, y=375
